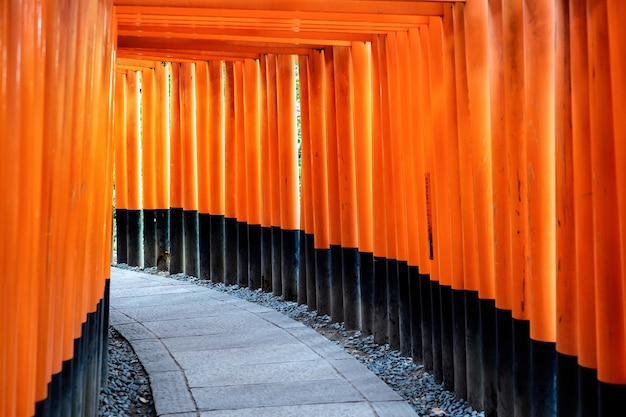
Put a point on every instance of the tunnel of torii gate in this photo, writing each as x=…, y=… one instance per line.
x=448, y=176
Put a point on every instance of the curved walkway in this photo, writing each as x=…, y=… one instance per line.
x=210, y=354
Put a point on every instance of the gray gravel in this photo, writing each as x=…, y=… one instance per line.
x=409, y=380
x=127, y=392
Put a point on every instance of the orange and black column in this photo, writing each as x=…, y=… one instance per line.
x=204, y=170
x=319, y=164
x=242, y=179
x=288, y=169
x=189, y=169
x=177, y=245
x=217, y=175
x=135, y=253
x=148, y=164
x=266, y=185
x=121, y=169
x=162, y=158
x=230, y=178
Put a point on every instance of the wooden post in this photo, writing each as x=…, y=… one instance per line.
x=135, y=253
x=148, y=165
x=121, y=169
x=177, y=246
x=230, y=177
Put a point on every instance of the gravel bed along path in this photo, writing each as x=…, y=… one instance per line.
x=408, y=379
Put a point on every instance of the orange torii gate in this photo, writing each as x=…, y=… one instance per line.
x=440, y=174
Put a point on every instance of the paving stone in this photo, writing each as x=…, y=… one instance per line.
x=170, y=393
x=224, y=373
x=368, y=384
x=308, y=410
x=134, y=331
x=259, y=337
x=117, y=318
x=280, y=320
x=394, y=409
x=277, y=394
x=154, y=356
x=199, y=326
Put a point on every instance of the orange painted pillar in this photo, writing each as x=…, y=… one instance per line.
x=266, y=186
x=177, y=246
x=306, y=285
x=587, y=384
x=442, y=251
x=334, y=213
x=289, y=183
x=121, y=169
x=230, y=178
x=454, y=191
x=501, y=214
x=386, y=55
x=483, y=310
x=148, y=164
x=609, y=275
x=162, y=158
x=216, y=161
x=379, y=319
x=242, y=177
x=566, y=276
x=363, y=126
x=189, y=163
x=515, y=128
x=135, y=253
x=204, y=169
x=274, y=177
x=319, y=166
x=344, y=103
x=539, y=86
x=402, y=157
x=253, y=169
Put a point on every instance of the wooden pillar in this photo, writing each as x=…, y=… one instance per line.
x=121, y=169
x=344, y=103
x=135, y=253
x=253, y=169
x=230, y=177
x=189, y=163
x=204, y=169
x=177, y=247
x=216, y=161
x=242, y=177
x=363, y=126
x=162, y=159
x=148, y=164
x=289, y=183
x=266, y=185
x=319, y=165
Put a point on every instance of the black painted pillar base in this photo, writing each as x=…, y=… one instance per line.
x=393, y=315
x=380, y=321
x=177, y=241
x=75, y=390
x=458, y=336
x=435, y=300
x=190, y=235
x=242, y=254
x=277, y=261
x=521, y=366
x=587, y=391
x=566, y=385
x=427, y=321
x=162, y=230
x=266, y=259
x=204, y=245
x=473, y=347
x=322, y=280
x=217, y=248
x=447, y=340
x=231, y=250
x=351, y=288
x=489, y=356
x=404, y=309
x=135, y=253
x=611, y=399
x=543, y=384
x=254, y=256
x=366, y=272
x=505, y=379
x=121, y=222
x=290, y=245
x=416, y=314
x=336, y=284
x=311, y=272
x=149, y=238
x=302, y=275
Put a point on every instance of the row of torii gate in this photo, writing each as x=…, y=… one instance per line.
x=447, y=176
